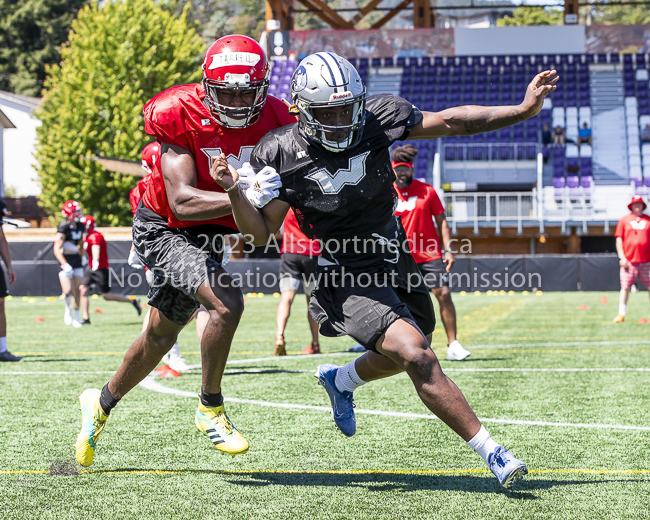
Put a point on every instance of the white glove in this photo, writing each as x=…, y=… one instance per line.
x=265, y=188
x=246, y=176
x=134, y=261
x=95, y=265
x=67, y=268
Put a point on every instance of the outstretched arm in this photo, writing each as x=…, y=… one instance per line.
x=260, y=224
x=186, y=201
x=472, y=119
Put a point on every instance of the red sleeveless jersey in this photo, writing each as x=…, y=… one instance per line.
x=178, y=116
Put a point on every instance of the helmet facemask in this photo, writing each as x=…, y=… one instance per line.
x=317, y=131
x=235, y=117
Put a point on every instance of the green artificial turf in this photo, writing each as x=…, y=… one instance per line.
x=151, y=461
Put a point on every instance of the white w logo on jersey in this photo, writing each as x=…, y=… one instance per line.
x=234, y=161
x=333, y=184
x=406, y=205
x=639, y=226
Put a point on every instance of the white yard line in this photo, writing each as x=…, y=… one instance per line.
x=150, y=383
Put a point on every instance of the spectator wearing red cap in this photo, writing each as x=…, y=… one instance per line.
x=418, y=206
x=633, y=247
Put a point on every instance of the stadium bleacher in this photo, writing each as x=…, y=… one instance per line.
x=436, y=83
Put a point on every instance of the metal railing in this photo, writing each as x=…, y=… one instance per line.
x=489, y=152
x=520, y=208
x=491, y=207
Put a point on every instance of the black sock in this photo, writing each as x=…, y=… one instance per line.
x=106, y=400
x=211, y=399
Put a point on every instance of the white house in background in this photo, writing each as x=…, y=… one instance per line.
x=17, y=162
x=5, y=124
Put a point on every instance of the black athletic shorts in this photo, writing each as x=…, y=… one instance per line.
x=97, y=279
x=434, y=273
x=363, y=305
x=3, y=284
x=73, y=259
x=181, y=259
x=295, y=269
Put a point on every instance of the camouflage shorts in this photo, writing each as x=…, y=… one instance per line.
x=181, y=259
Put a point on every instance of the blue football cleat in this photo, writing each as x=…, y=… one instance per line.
x=342, y=402
x=505, y=467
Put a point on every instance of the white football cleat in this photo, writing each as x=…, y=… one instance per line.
x=456, y=352
x=76, y=324
x=178, y=363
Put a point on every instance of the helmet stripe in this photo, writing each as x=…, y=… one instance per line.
x=339, y=67
x=320, y=55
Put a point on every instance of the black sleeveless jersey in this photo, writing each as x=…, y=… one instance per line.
x=345, y=199
x=73, y=232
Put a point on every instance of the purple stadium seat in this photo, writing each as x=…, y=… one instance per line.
x=558, y=183
x=461, y=60
x=353, y=62
x=388, y=62
x=646, y=182
x=586, y=181
x=376, y=62
x=363, y=63
x=572, y=181
x=437, y=61
x=627, y=58
x=614, y=58
x=558, y=151
x=401, y=61
x=640, y=61
x=546, y=152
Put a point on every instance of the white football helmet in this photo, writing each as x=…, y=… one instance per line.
x=325, y=79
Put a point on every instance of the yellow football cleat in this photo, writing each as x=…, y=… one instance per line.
x=619, y=318
x=93, y=421
x=280, y=346
x=214, y=422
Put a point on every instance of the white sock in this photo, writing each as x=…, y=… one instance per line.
x=3, y=344
x=76, y=315
x=68, y=300
x=175, y=351
x=482, y=443
x=347, y=379
x=622, y=308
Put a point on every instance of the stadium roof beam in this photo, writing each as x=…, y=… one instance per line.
x=391, y=14
x=327, y=14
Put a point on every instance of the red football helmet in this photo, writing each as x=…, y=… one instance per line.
x=71, y=210
x=88, y=222
x=235, y=63
x=151, y=156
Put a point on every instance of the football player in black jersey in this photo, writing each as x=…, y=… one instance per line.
x=336, y=175
x=67, y=250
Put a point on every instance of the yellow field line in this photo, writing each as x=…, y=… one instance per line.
x=332, y=472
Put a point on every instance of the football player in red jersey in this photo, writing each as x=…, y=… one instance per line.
x=180, y=223
x=418, y=205
x=97, y=274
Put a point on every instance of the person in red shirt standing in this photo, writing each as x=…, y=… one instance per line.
x=633, y=248
x=180, y=224
x=97, y=274
x=298, y=262
x=418, y=206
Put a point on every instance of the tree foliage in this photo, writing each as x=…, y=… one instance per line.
x=31, y=33
x=603, y=14
x=217, y=18
x=531, y=16
x=118, y=57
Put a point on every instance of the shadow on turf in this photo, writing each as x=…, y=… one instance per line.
x=404, y=483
